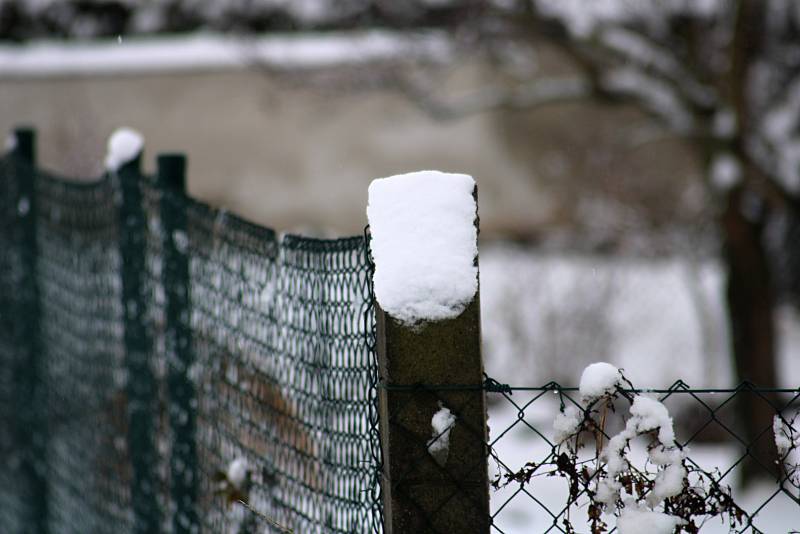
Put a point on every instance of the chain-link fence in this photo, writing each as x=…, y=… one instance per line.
x=167, y=366
x=548, y=479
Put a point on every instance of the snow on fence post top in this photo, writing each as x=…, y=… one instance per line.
x=432, y=407
x=424, y=243
x=124, y=146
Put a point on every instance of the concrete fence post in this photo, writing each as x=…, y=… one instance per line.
x=425, y=368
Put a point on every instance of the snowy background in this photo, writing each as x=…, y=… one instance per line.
x=547, y=315
x=598, y=229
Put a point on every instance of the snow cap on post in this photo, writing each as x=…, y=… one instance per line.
x=124, y=146
x=424, y=243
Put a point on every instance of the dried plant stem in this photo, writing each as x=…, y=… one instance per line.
x=269, y=520
x=599, y=435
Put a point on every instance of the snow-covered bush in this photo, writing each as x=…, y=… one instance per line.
x=638, y=479
x=787, y=441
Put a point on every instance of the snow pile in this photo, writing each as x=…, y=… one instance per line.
x=637, y=520
x=598, y=379
x=237, y=473
x=439, y=445
x=424, y=243
x=124, y=146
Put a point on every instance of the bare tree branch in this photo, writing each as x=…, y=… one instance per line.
x=538, y=93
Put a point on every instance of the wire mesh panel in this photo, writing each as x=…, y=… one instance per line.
x=256, y=365
x=284, y=374
x=83, y=356
x=548, y=479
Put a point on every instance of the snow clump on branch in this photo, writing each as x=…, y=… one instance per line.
x=598, y=379
x=647, y=415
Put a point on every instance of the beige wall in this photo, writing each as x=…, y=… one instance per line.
x=282, y=156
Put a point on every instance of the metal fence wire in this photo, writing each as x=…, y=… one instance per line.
x=167, y=366
x=548, y=480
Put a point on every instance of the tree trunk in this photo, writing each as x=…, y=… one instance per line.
x=750, y=310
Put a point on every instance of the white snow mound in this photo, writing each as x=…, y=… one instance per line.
x=640, y=520
x=124, y=145
x=649, y=414
x=441, y=423
x=598, y=379
x=237, y=473
x=424, y=243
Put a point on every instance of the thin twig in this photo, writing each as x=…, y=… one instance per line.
x=283, y=529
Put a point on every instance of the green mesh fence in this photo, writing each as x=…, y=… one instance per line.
x=82, y=360
x=21, y=468
x=168, y=367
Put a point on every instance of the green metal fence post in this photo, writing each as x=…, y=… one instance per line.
x=25, y=145
x=423, y=494
x=180, y=358
x=31, y=418
x=141, y=387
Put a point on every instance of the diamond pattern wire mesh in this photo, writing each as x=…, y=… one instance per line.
x=281, y=333
x=532, y=486
x=284, y=374
x=82, y=360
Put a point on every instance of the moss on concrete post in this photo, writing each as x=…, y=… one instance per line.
x=417, y=364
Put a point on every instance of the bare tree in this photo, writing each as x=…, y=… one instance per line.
x=722, y=74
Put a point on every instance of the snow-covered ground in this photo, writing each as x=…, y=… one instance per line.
x=546, y=316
